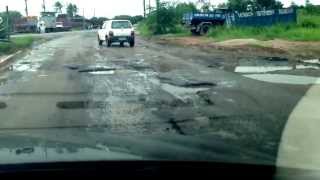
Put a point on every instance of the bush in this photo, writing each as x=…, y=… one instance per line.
x=307, y=23
x=166, y=20
x=312, y=9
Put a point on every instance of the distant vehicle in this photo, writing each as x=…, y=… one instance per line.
x=26, y=25
x=47, y=22
x=200, y=23
x=59, y=25
x=63, y=23
x=117, y=31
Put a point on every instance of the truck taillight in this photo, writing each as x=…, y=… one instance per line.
x=132, y=33
x=110, y=33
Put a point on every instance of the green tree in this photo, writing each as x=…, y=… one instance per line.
x=294, y=5
x=164, y=19
x=266, y=4
x=312, y=9
x=238, y=5
x=13, y=17
x=72, y=10
x=222, y=6
x=132, y=19
x=183, y=8
x=58, y=7
x=75, y=9
x=308, y=3
x=206, y=7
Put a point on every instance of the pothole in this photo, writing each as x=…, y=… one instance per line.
x=72, y=67
x=25, y=62
x=184, y=83
x=96, y=69
x=273, y=64
x=276, y=59
x=82, y=105
x=3, y=105
x=198, y=84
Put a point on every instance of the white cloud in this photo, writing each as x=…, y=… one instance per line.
x=108, y=8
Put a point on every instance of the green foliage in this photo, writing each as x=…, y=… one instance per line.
x=266, y=4
x=307, y=23
x=206, y=7
x=245, y=5
x=238, y=5
x=13, y=16
x=58, y=7
x=222, y=5
x=182, y=8
x=166, y=19
x=72, y=9
x=144, y=29
x=16, y=44
x=312, y=9
x=132, y=19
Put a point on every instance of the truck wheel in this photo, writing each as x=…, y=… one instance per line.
x=204, y=30
x=131, y=43
x=194, y=32
x=100, y=42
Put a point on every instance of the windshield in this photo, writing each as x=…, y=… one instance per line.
x=217, y=81
x=120, y=25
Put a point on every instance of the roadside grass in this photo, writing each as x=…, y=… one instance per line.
x=77, y=29
x=15, y=44
x=306, y=29
x=179, y=31
x=143, y=29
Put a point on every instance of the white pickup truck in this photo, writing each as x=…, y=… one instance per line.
x=116, y=31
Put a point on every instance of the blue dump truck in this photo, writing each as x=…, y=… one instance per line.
x=200, y=22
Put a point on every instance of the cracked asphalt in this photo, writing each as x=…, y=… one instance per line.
x=151, y=89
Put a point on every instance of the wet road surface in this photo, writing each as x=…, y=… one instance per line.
x=152, y=89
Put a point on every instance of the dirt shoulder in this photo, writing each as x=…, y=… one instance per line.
x=277, y=47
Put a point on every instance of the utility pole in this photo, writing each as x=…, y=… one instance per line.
x=94, y=12
x=157, y=16
x=149, y=6
x=44, y=6
x=8, y=27
x=83, y=19
x=144, y=8
x=26, y=1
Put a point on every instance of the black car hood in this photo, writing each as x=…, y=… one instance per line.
x=85, y=144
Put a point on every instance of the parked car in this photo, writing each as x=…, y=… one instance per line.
x=116, y=31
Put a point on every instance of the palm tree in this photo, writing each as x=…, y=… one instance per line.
x=75, y=9
x=72, y=10
x=58, y=7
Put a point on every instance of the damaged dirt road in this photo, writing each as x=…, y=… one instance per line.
x=154, y=89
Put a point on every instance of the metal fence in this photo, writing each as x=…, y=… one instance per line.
x=262, y=18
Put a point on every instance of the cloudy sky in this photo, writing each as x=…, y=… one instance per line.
x=107, y=8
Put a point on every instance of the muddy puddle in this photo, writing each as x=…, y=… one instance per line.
x=280, y=70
